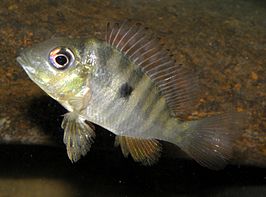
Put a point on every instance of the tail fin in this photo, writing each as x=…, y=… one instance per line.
x=210, y=141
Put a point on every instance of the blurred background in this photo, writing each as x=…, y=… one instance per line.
x=224, y=41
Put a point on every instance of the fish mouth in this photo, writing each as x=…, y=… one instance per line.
x=25, y=63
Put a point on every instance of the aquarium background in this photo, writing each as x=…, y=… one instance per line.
x=223, y=41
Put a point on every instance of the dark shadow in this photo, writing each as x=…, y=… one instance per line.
x=47, y=113
x=106, y=173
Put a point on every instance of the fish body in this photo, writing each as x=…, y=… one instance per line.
x=129, y=85
x=123, y=99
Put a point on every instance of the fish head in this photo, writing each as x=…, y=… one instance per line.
x=57, y=67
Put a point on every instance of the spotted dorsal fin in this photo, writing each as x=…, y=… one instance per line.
x=146, y=151
x=141, y=47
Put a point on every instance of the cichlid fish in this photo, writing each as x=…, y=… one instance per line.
x=131, y=86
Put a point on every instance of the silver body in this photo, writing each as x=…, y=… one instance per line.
x=143, y=114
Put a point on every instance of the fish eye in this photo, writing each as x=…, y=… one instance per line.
x=61, y=57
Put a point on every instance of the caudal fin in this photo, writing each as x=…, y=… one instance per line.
x=210, y=141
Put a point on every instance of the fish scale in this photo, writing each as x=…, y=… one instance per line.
x=123, y=118
x=118, y=111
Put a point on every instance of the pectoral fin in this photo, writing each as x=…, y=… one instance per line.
x=145, y=151
x=78, y=135
x=80, y=101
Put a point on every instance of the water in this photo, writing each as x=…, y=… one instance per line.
x=223, y=41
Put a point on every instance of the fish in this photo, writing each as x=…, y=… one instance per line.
x=129, y=84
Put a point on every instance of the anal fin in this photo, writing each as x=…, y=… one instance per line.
x=78, y=135
x=146, y=151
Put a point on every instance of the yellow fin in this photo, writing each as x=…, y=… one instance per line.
x=146, y=151
x=78, y=135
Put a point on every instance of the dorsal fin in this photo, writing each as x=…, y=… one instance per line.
x=141, y=47
x=146, y=151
